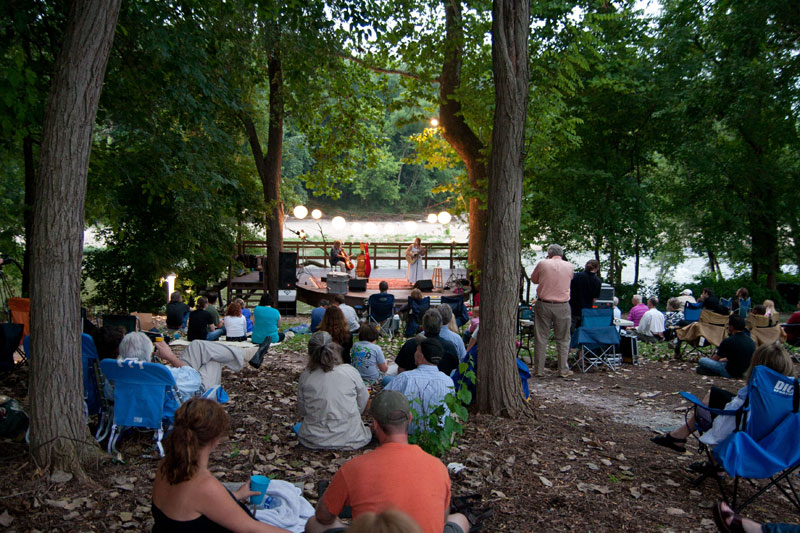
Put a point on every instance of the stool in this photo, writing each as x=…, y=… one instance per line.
x=437, y=277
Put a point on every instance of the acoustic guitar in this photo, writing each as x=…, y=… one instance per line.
x=413, y=257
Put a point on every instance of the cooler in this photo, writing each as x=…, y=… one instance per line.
x=337, y=282
x=629, y=346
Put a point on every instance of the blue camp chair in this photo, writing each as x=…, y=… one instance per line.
x=418, y=308
x=471, y=360
x=145, y=396
x=764, y=444
x=691, y=311
x=456, y=303
x=597, y=340
x=744, y=307
x=381, y=312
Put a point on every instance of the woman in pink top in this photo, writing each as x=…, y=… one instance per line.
x=637, y=311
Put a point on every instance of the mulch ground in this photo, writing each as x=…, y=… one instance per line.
x=583, y=463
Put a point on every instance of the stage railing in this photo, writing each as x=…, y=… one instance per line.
x=451, y=252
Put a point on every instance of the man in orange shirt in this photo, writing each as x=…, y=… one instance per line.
x=553, y=276
x=413, y=481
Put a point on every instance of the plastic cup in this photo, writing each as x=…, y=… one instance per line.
x=259, y=484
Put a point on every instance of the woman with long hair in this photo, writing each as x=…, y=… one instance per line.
x=235, y=323
x=330, y=398
x=335, y=324
x=186, y=495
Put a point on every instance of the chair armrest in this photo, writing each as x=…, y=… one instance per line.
x=699, y=403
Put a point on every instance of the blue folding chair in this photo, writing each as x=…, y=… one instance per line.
x=456, y=303
x=471, y=360
x=597, y=340
x=381, y=312
x=418, y=308
x=145, y=396
x=744, y=307
x=691, y=311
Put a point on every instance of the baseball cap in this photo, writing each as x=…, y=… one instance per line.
x=686, y=292
x=389, y=406
x=431, y=349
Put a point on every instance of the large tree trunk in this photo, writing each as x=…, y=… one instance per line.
x=499, y=389
x=30, y=174
x=764, y=247
x=458, y=134
x=59, y=436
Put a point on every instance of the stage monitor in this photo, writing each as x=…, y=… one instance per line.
x=357, y=285
x=425, y=285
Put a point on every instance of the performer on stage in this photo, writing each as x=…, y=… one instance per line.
x=414, y=253
x=339, y=258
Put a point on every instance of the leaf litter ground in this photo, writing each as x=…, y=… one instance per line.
x=585, y=463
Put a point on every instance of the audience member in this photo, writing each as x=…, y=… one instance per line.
x=350, y=315
x=317, y=313
x=672, y=318
x=408, y=474
x=390, y=521
x=446, y=312
x=213, y=310
x=425, y=386
x=637, y=311
x=248, y=316
x=553, y=277
x=266, y=321
x=792, y=334
x=711, y=302
x=186, y=495
x=235, y=323
x=770, y=310
x=368, y=357
x=177, y=312
x=431, y=327
x=741, y=298
x=584, y=289
x=733, y=355
x=330, y=399
x=728, y=521
x=651, y=326
x=686, y=297
x=616, y=310
x=201, y=323
x=474, y=320
x=334, y=323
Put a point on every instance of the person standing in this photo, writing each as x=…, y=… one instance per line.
x=414, y=253
x=583, y=291
x=553, y=277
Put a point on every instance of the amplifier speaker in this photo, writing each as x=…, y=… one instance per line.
x=357, y=285
x=287, y=308
x=287, y=270
x=425, y=285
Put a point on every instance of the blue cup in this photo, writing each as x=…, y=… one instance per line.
x=259, y=484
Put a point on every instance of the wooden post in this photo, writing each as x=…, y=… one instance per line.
x=452, y=246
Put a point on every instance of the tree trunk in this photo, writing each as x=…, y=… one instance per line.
x=636, y=262
x=30, y=175
x=458, y=134
x=499, y=389
x=59, y=437
x=764, y=239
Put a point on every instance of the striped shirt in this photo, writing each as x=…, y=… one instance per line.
x=425, y=387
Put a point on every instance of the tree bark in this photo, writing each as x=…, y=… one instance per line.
x=59, y=437
x=499, y=389
x=30, y=175
x=457, y=132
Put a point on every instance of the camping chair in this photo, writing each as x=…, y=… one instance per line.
x=106, y=412
x=597, y=340
x=414, y=320
x=381, y=312
x=525, y=329
x=744, y=307
x=471, y=362
x=702, y=338
x=126, y=322
x=765, y=444
x=20, y=313
x=456, y=303
x=763, y=331
x=691, y=311
x=145, y=396
x=10, y=338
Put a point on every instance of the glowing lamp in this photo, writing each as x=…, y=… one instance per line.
x=431, y=218
x=444, y=217
x=338, y=223
x=316, y=214
x=300, y=212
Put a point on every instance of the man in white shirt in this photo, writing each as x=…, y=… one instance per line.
x=350, y=315
x=651, y=326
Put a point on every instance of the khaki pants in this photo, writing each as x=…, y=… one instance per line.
x=208, y=358
x=555, y=316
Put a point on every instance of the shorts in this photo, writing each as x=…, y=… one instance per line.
x=719, y=398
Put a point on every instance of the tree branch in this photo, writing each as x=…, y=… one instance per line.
x=382, y=70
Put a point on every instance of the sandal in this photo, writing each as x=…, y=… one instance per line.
x=668, y=441
x=720, y=516
x=706, y=468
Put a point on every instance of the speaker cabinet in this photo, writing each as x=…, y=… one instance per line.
x=287, y=308
x=425, y=285
x=287, y=270
x=357, y=285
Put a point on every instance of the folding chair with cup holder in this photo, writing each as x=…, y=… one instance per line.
x=763, y=331
x=597, y=340
x=703, y=337
x=414, y=321
x=381, y=312
x=460, y=311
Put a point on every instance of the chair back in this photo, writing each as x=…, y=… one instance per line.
x=712, y=318
x=91, y=391
x=20, y=309
x=725, y=302
x=126, y=322
x=145, y=320
x=597, y=318
x=456, y=303
x=144, y=393
x=758, y=321
x=744, y=307
x=770, y=396
x=418, y=308
x=381, y=306
x=691, y=311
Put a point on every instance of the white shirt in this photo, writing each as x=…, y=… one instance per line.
x=235, y=326
x=351, y=317
x=652, y=322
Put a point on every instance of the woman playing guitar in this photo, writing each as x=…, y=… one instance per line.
x=413, y=253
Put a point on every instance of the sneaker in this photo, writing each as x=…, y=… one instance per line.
x=668, y=441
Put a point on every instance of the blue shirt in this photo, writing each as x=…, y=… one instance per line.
x=425, y=387
x=316, y=317
x=455, y=339
x=266, y=325
x=248, y=320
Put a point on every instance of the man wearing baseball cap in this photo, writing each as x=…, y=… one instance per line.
x=396, y=475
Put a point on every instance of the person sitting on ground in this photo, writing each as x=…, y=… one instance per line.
x=793, y=334
x=448, y=334
x=686, y=297
x=201, y=323
x=771, y=312
x=266, y=321
x=729, y=522
x=474, y=321
x=330, y=399
x=414, y=482
x=742, y=294
x=106, y=340
x=616, y=310
x=248, y=316
x=390, y=521
x=773, y=356
x=368, y=357
x=672, y=318
x=711, y=302
x=350, y=315
x=425, y=386
x=214, y=311
x=637, y=311
x=431, y=326
x=334, y=323
x=235, y=323
x=186, y=495
x=177, y=312
x=733, y=355
x=760, y=310
x=317, y=313
x=651, y=326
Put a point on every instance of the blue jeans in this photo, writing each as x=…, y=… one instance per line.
x=715, y=368
x=216, y=334
x=185, y=320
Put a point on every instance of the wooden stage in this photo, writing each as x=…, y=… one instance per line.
x=311, y=287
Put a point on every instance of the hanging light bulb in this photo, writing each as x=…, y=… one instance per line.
x=316, y=214
x=444, y=217
x=300, y=212
x=431, y=218
x=338, y=223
